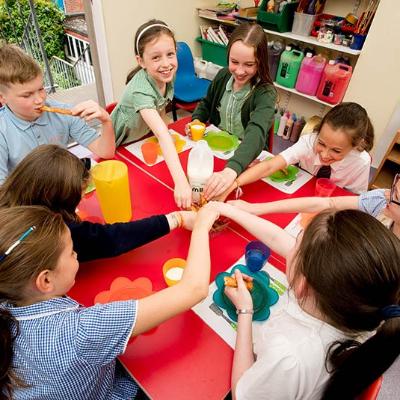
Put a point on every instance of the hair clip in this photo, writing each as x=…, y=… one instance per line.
x=16, y=243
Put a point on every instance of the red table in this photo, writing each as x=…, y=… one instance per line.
x=183, y=358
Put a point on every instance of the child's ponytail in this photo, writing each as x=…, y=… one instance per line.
x=359, y=366
x=8, y=379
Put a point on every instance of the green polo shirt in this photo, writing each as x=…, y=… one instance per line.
x=140, y=93
x=231, y=108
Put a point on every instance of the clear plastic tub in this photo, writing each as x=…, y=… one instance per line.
x=302, y=23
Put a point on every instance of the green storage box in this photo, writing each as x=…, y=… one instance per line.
x=281, y=22
x=214, y=52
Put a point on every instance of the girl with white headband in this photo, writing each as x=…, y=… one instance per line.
x=149, y=89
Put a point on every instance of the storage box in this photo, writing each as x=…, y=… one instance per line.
x=280, y=22
x=214, y=52
x=303, y=23
x=248, y=11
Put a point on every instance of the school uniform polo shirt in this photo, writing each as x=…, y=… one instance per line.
x=231, y=108
x=351, y=173
x=66, y=351
x=19, y=137
x=141, y=93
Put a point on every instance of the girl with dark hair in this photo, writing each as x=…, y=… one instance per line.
x=52, y=347
x=51, y=176
x=149, y=89
x=240, y=100
x=337, y=150
x=338, y=328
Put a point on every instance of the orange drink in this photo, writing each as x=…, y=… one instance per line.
x=197, y=130
x=112, y=187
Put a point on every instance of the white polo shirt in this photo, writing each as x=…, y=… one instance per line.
x=351, y=173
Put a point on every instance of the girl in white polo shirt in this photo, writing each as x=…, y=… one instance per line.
x=337, y=150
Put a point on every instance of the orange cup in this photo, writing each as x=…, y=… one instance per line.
x=306, y=218
x=173, y=270
x=197, y=130
x=150, y=152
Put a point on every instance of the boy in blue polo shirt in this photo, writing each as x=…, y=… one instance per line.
x=23, y=124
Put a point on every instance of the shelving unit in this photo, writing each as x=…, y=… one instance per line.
x=297, y=38
x=389, y=166
x=289, y=35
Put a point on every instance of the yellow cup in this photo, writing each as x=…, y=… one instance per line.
x=112, y=187
x=173, y=270
x=197, y=130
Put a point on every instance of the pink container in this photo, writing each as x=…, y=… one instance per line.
x=334, y=82
x=310, y=74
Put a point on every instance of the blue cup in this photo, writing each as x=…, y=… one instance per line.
x=357, y=41
x=256, y=255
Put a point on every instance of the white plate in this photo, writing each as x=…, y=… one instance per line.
x=135, y=148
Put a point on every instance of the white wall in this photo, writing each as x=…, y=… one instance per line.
x=376, y=81
x=119, y=21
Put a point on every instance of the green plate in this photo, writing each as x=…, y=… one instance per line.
x=279, y=176
x=262, y=294
x=221, y=141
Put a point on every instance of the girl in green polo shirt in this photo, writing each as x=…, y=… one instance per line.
x=241, y=100
x=149, y=89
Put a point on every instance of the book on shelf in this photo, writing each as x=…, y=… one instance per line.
x=213, y=36
x=222, y=35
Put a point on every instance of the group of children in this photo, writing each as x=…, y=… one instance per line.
x=343, y=313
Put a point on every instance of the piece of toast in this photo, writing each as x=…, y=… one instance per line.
x=231, y=282
x=56, y=110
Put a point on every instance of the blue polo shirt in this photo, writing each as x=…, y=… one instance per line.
x=66, y=351
x=18, y=137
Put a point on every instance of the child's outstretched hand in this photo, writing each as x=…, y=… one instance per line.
x=206, y=216
x=240, y=296
x=188, y=217
x=243, y=205
x=219, y=182
x=89, y=110
x=183, y=195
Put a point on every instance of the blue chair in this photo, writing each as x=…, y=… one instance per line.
x=189, y=89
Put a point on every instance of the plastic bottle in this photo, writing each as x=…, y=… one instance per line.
x=296, y=130
x=277, y=120
x=334, y=82
x=310, y=74
x=200, y=168
x=275, y=50
x=289, y=67
x=282, y=123
x=289, y=126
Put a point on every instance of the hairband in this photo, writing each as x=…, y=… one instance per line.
x=392, y=311
x=146, y=29
x=17, y=242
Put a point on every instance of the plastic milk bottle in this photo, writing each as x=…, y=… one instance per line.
x=200, y=168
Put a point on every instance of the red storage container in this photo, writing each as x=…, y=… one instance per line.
x=334, y=82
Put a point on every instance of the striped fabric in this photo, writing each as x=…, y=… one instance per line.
x=66, y=351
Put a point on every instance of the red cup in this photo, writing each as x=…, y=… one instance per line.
x=324, y=187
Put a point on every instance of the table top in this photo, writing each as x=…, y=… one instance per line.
x=182, y=358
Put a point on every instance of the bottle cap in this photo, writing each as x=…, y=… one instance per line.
x=288, y=48
x=331, y=62
x=309, y=55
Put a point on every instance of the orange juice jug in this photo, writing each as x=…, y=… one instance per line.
x=112, y=188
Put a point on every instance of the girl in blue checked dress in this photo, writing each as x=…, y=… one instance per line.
x=50, y=346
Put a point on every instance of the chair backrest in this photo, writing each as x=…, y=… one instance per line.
x=110, y=107
x=185, y=60
x=372, y=391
